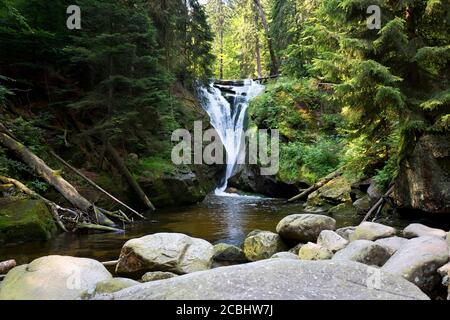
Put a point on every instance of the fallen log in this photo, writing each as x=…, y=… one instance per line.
x=95, y=185
x=98, y=227
x=378, y=203
x=316, y=186
x=7, y=265
x=128, y=176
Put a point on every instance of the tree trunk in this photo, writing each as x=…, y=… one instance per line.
x=274, y=67
x=127, y=175
x=257, y=51
x=221, y=20
x=49, y=175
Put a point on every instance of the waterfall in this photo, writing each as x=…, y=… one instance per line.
x=228, y=118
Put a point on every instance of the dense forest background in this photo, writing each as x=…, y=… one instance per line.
x=346, y=96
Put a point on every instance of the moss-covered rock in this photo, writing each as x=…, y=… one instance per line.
x=261, y=245
x=25, y=220
x=334, y=192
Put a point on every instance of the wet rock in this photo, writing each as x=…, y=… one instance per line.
x=364, y=251
x=371, y=231
x=262, y=245
x=53, y=278
x=24, y=220
x=422, y=182
x=114, y=285
x=284, y=255
x=277, y=279
x=418, y=261
x=419, y=230
x=392, y=244
x=345, y=232
x=304, y=227
x=313, y=251
x=374, y=192
x=173, y=252
x=228, y=252
x=363, y=204
x=331, y=240
x=157, y=275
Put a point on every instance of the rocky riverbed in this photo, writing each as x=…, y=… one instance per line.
x=307, y=258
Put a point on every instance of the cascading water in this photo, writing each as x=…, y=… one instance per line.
x=228, y=118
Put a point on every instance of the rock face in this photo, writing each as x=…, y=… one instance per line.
x=25, y=220
x=313, y=251
x=331, y=240
x=277, y=279
x=262, y=245
x=249, y=179
x=228, y=252
x=364, y=251
x=173, y=252
x=423, y=182
x=392, y=244
x=284, y=255
x=304, y=227
x=371, y=231
x=419, y=230
x=53, y=278
x=418, y=261
x=332, y=193
x=157, y=275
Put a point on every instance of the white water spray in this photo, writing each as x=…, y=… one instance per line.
x=228, y=120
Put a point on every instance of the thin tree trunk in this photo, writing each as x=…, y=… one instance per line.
x=257, y=51
x=43, y=170
x=127, y=175
x=274, y=67
x=221, y=21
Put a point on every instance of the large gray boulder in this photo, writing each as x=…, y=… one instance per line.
x=53, y=278
x=276, y=279
x=392, y=244
x=331, y=240
x=371, y=231
x=418, y=261
x=262, y=245
x=173, y=252
x=364, y=251
x=419, y=230
x=304, y=227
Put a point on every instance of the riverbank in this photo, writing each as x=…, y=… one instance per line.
x=378, y=261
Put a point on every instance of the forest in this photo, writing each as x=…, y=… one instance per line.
x=359, y=91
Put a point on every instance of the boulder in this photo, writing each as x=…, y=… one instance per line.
x=277, y=279
x=422, y=182
x=363, y=204
x=444, y=272
x=53, y=278
x=419, y=230
x=114, y=285
x=418, y=261
x=364, y=251
x=284, y=255
x=157, y=275
x=332, y=193
x=262, y=245
x=448, y=239
x=296, y=249
x=304, y=227
x=392, y=244
x=371, y=231
x=331, y=240
x=313, y=251
x=374, y=192
x=345, y=232
x=173, y=252
x=228, y=252
x=25, y=220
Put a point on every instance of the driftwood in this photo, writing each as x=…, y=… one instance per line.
x=110, y=263
x=316, y=186
x=51, y=176
x=96, y=186
x=128, y=176
x=379, y=203
x=98, y=227
x=7, y=265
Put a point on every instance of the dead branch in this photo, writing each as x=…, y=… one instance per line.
x=379, y=203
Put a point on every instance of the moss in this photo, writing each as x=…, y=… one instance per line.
x=25, y=220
